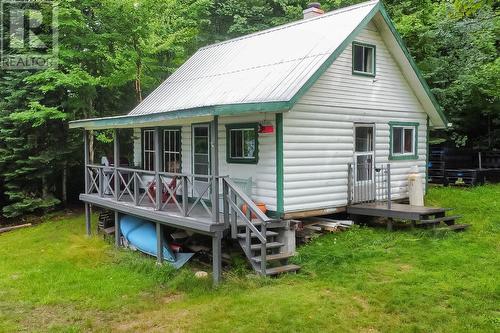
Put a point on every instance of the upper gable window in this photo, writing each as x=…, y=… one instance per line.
x=363, y=59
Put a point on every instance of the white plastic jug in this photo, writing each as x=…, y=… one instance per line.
x=415, y=187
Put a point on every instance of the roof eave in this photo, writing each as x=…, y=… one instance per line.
x=130, y=121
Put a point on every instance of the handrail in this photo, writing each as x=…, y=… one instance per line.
x=249, y=202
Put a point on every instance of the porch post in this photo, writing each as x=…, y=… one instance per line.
x=159, y=188
x=116, y=158
x=86, y=159
x=215, y=169
x=216, y=257
x=159, y=243
x=117, y=229
x=88, y=213
x=88, y=219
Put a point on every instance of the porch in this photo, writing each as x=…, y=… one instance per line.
x=369, y=194
x=203, y=202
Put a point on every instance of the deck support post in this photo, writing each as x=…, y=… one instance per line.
x=216, y=257
x=159, y=243
x=215, y=169
x=389, y=224
x=116, y=162
x=159, y=188
x=117, y=229
x=88, y=219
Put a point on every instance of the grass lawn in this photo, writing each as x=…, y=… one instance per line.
x=53, y=278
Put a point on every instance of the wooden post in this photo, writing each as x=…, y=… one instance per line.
x=217, y=257
x=159, y=243
x=215, y=169
x=225, y=204
x=389, y=224
x=234, y=217
x=88, y=219
x=86, y=159
x=117, y=229
x=116, y=157
x=159, y=188
x=184, y=195
x=101, y=178
x=136, y=188
x=263, y=250
x=349, y=183
x=389, y=199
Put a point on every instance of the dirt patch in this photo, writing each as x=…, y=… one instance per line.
x=405, y=267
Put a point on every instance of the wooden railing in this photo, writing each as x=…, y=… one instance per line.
x=369, y=183
x=165, y=191
x=232, y=195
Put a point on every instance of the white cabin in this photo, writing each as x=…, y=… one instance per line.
x=287, y=112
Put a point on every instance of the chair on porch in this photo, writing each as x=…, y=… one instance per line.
x=166, y=196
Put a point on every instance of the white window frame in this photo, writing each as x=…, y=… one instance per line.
x=169, y=153
x=145, y=134
x=403, y=138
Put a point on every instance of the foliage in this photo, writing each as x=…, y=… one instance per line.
x=364, y=279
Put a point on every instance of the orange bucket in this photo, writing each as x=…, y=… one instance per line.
x=261, y=205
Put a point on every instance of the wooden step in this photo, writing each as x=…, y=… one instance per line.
x=444, y=219
x=273, y=257
x=268, y=233
x=271, y=245
x=282, y=269
x=455, y=227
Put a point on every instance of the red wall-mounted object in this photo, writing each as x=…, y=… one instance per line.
x=266, y=129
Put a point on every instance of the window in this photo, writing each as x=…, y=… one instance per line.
x=363, y=59
x=403, y=137
x=170, y=144
x=148, y=151
x=172, y=150
x=242, y=143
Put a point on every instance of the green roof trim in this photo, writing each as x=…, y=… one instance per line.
x=420, y=77
x=216, y=110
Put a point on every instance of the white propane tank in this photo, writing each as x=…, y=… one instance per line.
x=415, y=187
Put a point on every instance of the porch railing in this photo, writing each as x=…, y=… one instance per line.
x=165, y=191
x=368, y=183
x=232, y=194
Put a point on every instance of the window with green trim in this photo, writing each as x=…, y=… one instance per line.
x=242, y=143
x=363, y=59
x=403, y=140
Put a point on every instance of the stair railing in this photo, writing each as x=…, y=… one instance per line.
x=232, y=195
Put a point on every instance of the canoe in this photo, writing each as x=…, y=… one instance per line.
x=141, y=234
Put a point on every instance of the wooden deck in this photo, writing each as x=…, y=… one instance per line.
x=198, y=221
x=397, y=210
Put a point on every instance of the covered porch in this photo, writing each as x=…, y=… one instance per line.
x=156, y=188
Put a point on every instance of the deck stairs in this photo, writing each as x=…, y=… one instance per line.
x=276, y=255
x=420, y=216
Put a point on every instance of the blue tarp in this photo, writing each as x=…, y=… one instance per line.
x=142, y=234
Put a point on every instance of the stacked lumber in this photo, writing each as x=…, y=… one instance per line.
x=312, y=227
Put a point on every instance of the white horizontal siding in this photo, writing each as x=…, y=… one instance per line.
x=319, y=130
x=263, y=174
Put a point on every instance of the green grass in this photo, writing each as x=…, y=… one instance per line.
x=53, y=278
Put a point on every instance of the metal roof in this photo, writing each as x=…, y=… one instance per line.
x=264, y=71
x=267, y=66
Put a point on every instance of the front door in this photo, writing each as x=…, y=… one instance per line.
x=364, y=159
x=201, y=159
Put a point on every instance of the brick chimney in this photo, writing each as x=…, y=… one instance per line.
x=313, y=9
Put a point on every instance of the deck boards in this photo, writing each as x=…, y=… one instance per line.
x=397, y=210
x=198, y=221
